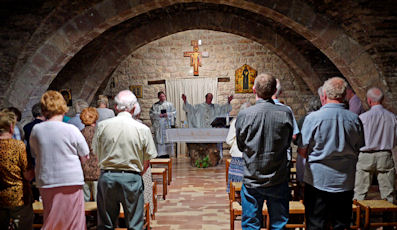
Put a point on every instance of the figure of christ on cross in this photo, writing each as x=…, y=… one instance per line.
x=195, y=57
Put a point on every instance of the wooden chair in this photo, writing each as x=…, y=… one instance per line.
x=146, y=211
x=227, y=164
x=296, y=208
x=162, y=172
x=154, y=187
x=165, y=162
x=357, y=213
x=235, y=207
x=236, y=210
x=376, y=206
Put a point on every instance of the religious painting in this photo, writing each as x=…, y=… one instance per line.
x=67, y=95
x=137, y=90
x=244, y=79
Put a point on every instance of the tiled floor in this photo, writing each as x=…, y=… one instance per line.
x=196, y=199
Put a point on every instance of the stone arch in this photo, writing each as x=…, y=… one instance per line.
x=97, y=68
x=47, y=60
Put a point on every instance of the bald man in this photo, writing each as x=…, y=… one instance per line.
x=380, y=129
x=331, y=141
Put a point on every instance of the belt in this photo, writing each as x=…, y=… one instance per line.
x=375, y=151
x=118, y=171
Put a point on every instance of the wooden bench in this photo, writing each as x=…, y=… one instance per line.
x=166, y=162
x=376, y=206
x=90, y=209
x=162, y=172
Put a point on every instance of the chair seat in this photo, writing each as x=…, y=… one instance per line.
x=377, y=205
x=160, y=160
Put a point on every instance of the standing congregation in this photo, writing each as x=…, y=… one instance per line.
x=101, y=157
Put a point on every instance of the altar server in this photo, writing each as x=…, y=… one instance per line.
x=163, y=115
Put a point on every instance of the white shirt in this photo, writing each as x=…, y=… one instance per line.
x=57, y=147
x=123, y=143
x=231, y=140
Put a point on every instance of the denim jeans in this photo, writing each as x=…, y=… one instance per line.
x=277, y=198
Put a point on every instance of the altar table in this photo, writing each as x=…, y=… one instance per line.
x=201, y=143
x=202, y=135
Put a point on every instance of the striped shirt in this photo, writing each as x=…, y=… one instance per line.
x=264, y=133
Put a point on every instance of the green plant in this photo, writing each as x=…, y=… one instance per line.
x=202, y=163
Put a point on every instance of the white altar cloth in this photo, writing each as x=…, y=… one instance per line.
x=202, y=135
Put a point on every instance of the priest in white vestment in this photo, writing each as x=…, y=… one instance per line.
x=202, y=115
x=163, y=115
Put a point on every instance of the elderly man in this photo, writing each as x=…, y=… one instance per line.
x=202, y=115
x=264, y=134
x=380, y=129
x=123, y=145
x=162, y=115
x=331, y=140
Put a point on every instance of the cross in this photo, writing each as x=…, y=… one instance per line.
x=195, y=57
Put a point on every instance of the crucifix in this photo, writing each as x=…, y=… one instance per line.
x=195, y=57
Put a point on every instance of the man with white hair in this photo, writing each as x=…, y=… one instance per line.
x=331, y=140
x=123, y=145
x=380, y=129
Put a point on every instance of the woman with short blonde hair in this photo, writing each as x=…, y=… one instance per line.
x=53, y=103
x=59, y=149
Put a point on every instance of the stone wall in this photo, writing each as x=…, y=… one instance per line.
x=163, y=59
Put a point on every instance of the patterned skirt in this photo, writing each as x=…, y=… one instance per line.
x=148, y=191
x=236, y=171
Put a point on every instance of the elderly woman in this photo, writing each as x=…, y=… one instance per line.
x=59, y=149
x=236, y=168
x=15, y=195
x=147, y=172
x=91, y=170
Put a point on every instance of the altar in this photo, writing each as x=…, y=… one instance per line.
x=201, y=143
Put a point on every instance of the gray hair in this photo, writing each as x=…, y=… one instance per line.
x=137, y=110
x=320, y=91
x=279, y=88
x=375, y=94
x=125, y=100
x=102, y=99
x=79, y=105
x=335, y=88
